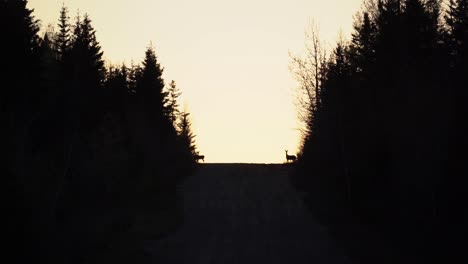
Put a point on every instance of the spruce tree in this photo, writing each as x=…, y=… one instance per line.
x=20, y=61
x=87, y=74
x=63, y=37
x=150, y=86
x=171, y=106
x=455, y=184
x=186, y=136
x=19, y=66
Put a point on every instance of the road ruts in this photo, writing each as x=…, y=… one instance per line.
x=242, y=213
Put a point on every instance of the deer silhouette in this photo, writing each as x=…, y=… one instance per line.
x=291, y=158
x=199, y=157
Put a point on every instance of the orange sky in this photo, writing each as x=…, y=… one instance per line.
x=229, y=58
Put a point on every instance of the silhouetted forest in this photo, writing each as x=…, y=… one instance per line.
x=90, y=154
x=387, y=136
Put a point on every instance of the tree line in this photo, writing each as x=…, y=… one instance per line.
x=89, y=153
x=386, y=136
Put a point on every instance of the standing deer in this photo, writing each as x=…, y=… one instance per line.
x=291, y=158
x=199, y=157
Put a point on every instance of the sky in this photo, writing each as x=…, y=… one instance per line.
x=230, y=60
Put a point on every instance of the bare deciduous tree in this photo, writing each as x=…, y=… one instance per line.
x=309, y=71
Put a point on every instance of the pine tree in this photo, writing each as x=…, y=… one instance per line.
x=150, y=86
x=457, y=22
x=117, y=88
x=87, y=53
x=456, y=183
x=49, y=73
x=87, y=74
x=171, y=104
x=186, y=137
x=19, y=67
x=362, y=48
x=63, y=37
x=20, y=55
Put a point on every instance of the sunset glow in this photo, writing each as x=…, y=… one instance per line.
x=229, y=58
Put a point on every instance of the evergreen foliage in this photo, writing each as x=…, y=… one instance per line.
x=90, y=153
x=388, y=139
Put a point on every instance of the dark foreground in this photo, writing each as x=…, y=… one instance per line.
x=242, y=213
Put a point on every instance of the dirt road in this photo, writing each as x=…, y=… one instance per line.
x=242, y=213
